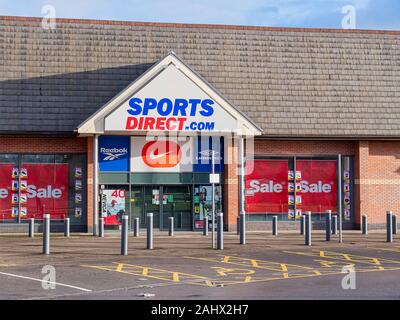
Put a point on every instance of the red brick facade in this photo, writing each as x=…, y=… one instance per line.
x=378, y=179
x=377, y=169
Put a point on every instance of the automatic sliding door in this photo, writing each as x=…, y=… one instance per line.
x=177, y=203
x=152, y=200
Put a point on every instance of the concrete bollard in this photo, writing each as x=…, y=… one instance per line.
x=31, y=228
x=364, y=224
x=124, y=235
x=220, y=231
x=171, y=226
x=238, y=225
x=334, y=224
x=242, y=228
x=394, y=224
x=136, y=227
x=150, y=230
x=205, y=226
x=302, y=224
x=67, y=227
x=308, y=229
x=46, y=234
x=328, y=225
x=389, y=226
x=274, y=225
x=101, y=227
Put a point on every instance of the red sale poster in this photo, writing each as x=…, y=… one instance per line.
x=267, y=183
x=47, y=184
x=318, y=185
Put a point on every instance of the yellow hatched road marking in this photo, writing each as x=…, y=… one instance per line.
x=345, y=257
x=153, y=273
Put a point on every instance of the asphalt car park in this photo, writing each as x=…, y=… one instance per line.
x=186, y=267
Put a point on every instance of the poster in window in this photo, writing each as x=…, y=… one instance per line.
x=15, y=185
x=24, y=212
x=318, y=185
x=24, y=185
x=24, y=173
x=14, y=212
x=78, y=212
x=268, y=181
x=78, y=184
x=78, y=172
x=113, y=206
x=47, y=186
x=14, y=173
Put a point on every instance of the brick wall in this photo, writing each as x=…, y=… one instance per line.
x=231, y=185
x=42, y=145
x=378, y=179
x=265, y=147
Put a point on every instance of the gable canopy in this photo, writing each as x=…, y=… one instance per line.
x=170, y=96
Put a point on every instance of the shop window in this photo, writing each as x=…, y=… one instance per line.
x=31, y=184
x=290, y=186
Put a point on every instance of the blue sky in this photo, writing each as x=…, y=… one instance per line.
x=371, y=14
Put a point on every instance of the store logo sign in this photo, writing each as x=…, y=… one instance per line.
x=161, y=154
x=169, y=114
x=113, y=154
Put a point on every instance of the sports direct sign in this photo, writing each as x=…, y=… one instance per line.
x=267, y=186
x=170, y=102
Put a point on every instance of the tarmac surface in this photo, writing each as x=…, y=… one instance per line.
x=186, y=267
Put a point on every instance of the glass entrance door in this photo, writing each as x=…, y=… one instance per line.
x=177, y=203
x=164, y=202
x=152, y=202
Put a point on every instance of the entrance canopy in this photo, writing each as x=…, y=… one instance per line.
x=169, y=97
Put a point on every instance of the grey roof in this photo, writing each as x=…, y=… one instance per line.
x=291, y=82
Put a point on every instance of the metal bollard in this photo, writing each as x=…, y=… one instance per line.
x=136, y=227
x=150, y=230
x=364, y=224
x=101, y=227
x=220, y=231
x=389, y=226
x=328, y=225
x=66, y=227
x=334, y=224
x=242, y=228
x=31, y=228
x=302, y=224
x=308, y=229
x=124, y=235
x=46, y=234
x=274, y=225
x=205, y=227
x=394, y=224
x=171, y=226
x=238, y=225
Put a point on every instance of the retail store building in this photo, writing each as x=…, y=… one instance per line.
x=104, y=118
